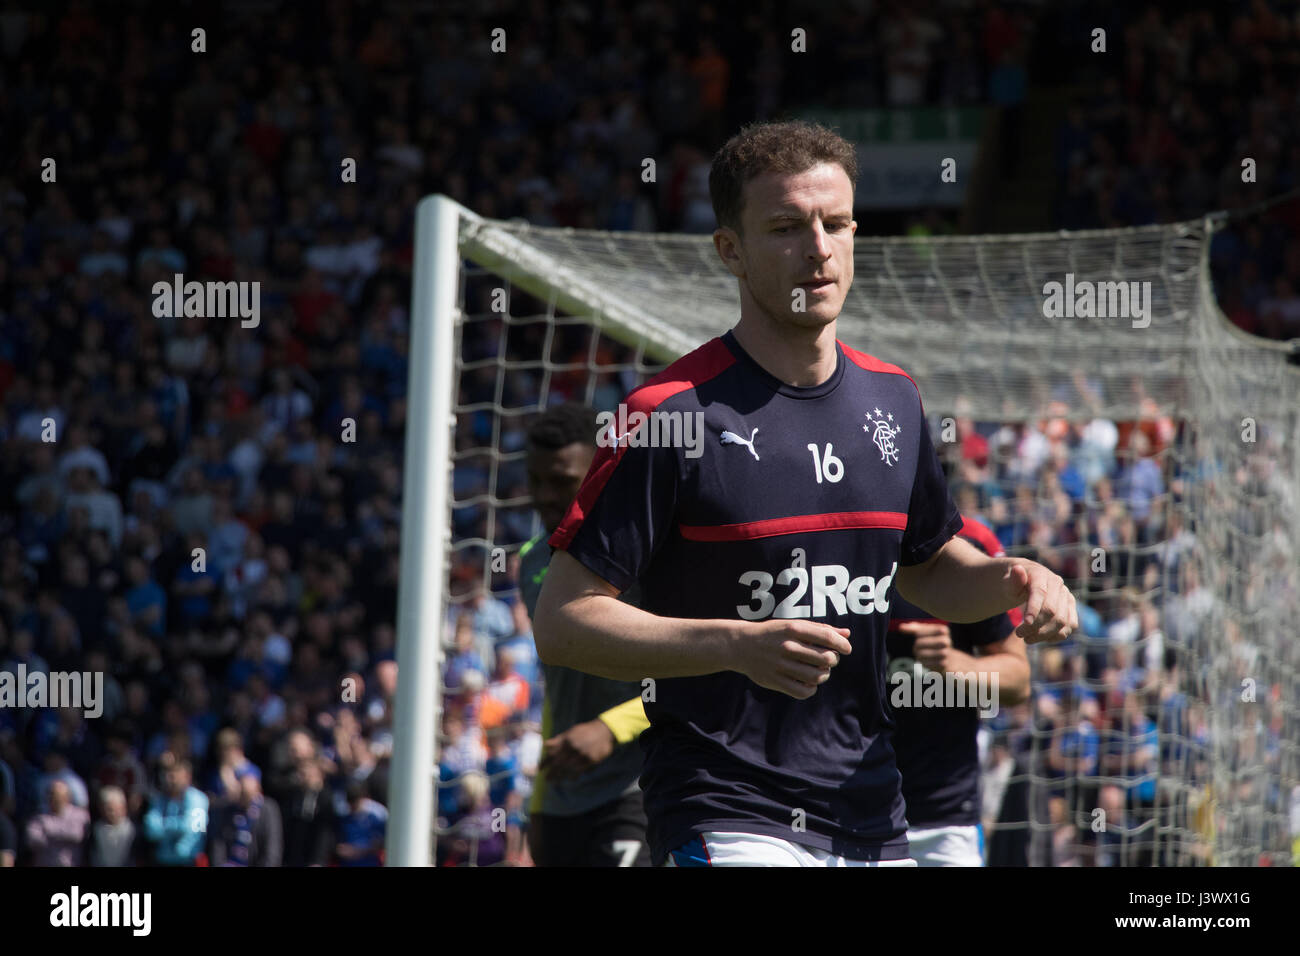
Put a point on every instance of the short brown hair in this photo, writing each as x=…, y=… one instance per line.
x=787, y=147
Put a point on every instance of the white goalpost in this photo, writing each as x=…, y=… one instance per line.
x=425, y=534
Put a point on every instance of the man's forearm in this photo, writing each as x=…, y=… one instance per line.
x=581, y=623
x=599, y=634
x=960, y=584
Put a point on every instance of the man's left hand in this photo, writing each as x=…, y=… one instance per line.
x=1048, y=606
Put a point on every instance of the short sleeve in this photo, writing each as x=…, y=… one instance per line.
x=932, y=517
x=623, y=513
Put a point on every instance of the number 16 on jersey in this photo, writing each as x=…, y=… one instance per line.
x=826, y=466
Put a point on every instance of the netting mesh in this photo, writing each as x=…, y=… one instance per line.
x=1150, y=458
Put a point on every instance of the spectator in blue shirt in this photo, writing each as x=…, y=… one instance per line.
x=146, y=601
x=1132, y=752
x=493, y=620
x=1076, y=747
x=232, y=767
x=1140, y=483
x=196, y=583
x=502, y=768
x=226, y=538
x=249, y=830
x=177, y=819
x=467, y=656
x=362, y=830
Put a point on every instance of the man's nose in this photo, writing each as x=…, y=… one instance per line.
x=821, y=243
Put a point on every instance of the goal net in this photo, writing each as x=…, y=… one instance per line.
x=1091, y=405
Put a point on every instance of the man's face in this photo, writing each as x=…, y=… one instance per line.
x=115, y=810
x=798, y=227
x=312, y=777
x=554, y=478
x=300, y=746
x=178, y=780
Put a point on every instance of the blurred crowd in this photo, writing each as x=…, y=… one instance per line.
x=208, y=514
x=1119, y=717
x=1199, y=118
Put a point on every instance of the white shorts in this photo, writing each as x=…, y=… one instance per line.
x=947, y=846
x=754, y=849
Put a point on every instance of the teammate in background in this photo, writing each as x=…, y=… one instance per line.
x=818, y=491
x=586, y=808
x=936, y=747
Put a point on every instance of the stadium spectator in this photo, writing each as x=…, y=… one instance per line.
x=309, y=821
x=176, y=822
x=247, y=831
x=58, y=770
x=121, y=768
x=112, y=840
x=1139, y=482
x=56, y=836
x=225, y=783
x=473, y=836
x=146, y=601
x=505, y=696
x=468, y=655
x=361, y=830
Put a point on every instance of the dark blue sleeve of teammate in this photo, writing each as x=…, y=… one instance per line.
x=623, y=514
x=984, y=632
x=932, y=518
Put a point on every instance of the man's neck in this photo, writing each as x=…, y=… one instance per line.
x=800, y=357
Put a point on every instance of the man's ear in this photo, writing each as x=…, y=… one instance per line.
x=727, y=242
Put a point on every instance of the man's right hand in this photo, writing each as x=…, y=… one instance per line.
x=791, y=656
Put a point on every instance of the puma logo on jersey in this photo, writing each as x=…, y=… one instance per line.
x=731, y=438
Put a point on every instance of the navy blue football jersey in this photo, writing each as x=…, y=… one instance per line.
x=936, y=747
x=803, y=502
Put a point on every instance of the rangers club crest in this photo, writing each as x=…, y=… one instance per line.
x=882, y=434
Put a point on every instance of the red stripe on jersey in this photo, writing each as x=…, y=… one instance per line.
x=690, y=371
x=835, y=521
x=873, y=364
